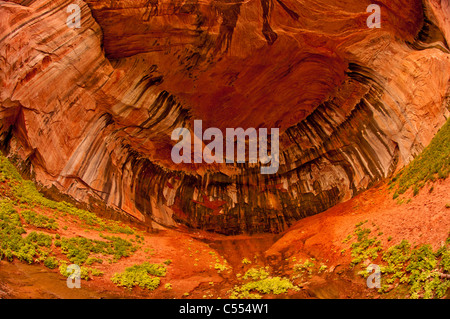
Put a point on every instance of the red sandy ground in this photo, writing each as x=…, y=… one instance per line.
x=425, y=219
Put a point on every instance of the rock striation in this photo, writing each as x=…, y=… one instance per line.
x=90, y=111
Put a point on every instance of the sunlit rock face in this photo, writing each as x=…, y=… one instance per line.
x=91, y=111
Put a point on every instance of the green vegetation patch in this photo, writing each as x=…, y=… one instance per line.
x=51, y=262
x=365, y=247
x=145, y=275
x=39, y=221
x=246, y=261
x=305, y=269
x=24, y=192
x=431, y=164
x=32, y=248
x=79, y=249
x=220, y=267
x=36, y=246
x=260, y=282
x=257, y=273
x=86, y=273
x=420, y=271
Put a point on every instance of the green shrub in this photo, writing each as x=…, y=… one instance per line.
x=275, y=285
x=259, y=281
x=86, y=273
x=9, y=255
x=419, y=268
x=96, y=272
x=27, y=253
x=269, y=285
x=51, y=262
x=26, y=193
x=433, y=162
x=140, y=275
x=39, y=221
x=28, y=249
x=256, y=274
x=220, y=267
x=152, y=269
x=79, y=249
x=364, y=247
x=168, y=262
x=322, y=268
x=307, y=266
x=92, y=260
x=63, y=269
x=245, y=261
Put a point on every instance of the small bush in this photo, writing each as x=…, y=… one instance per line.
x=139, y=275
x=79, y=249
x=26, y=194
x=220, y=267
x=245, y=261
x=152, y=269
x=85, y=272
x=51, y=262
x=419, y=268
x=269, y=285
x=432, y=163
x=256, y=274
x=307, y=266
x=39, y=221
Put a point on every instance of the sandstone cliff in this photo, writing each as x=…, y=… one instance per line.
x=90, y=111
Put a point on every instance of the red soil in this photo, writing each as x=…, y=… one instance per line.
x=424, y=220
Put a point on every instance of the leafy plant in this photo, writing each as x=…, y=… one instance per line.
x=260, y=283
x=85, y=272
x=139, y=275
x=39, y=221
x=421, y=269
x=167, y=262
x=25, y=192
x=30, y=249
x=246, y=261
x=79, y=249
x=256, y=274
x=432, y=163
x=307, y=266
x=51, y=262
x=220, y=267
x=322, y=268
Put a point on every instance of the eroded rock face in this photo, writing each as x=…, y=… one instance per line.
x=90, y=111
